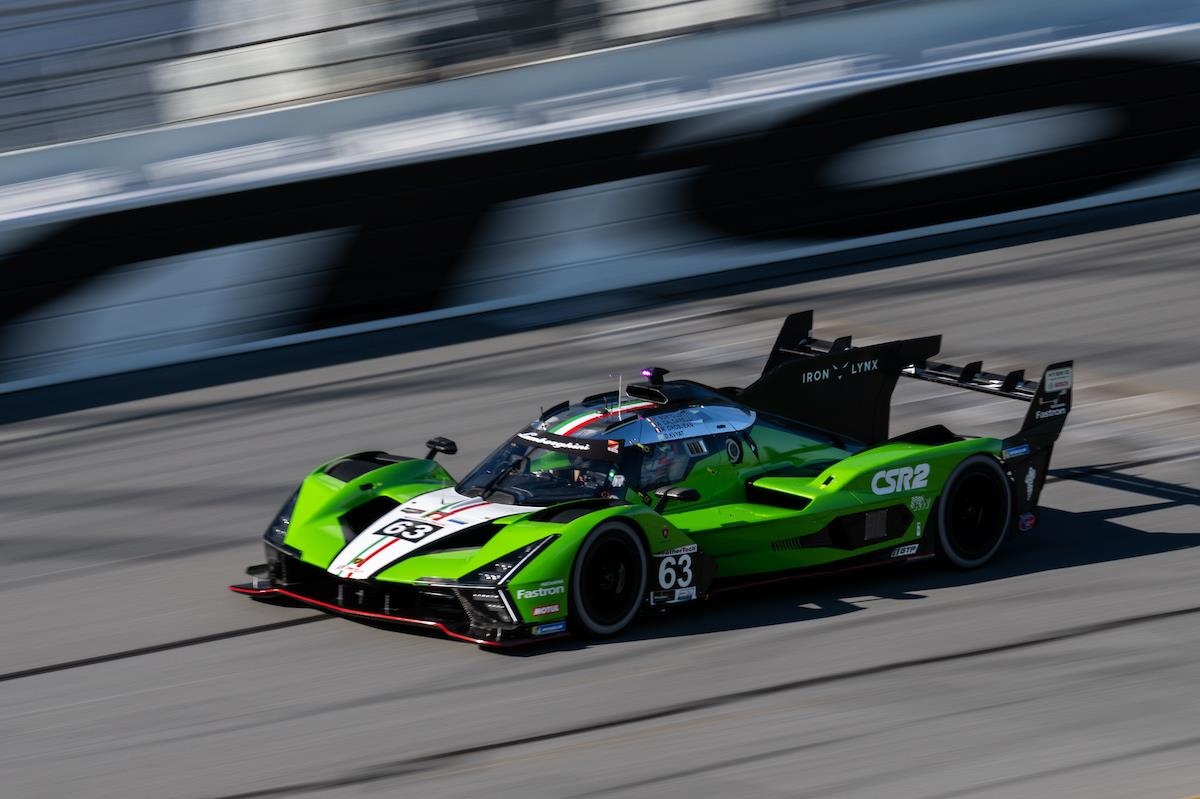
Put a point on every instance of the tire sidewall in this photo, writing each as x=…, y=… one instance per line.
x=945, y=550
x=581, y=622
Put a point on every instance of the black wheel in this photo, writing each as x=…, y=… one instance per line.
x=974, y=513
x=608, y=580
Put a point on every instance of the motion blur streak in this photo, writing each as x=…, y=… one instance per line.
x=1065, y=668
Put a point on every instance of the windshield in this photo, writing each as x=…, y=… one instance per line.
x=537, y=468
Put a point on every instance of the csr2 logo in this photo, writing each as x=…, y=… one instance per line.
x=904, y=478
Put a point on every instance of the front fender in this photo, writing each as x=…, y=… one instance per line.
x=545, y=582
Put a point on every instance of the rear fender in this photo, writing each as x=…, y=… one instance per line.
x=902, y=473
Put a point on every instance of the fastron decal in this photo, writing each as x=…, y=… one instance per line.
x=544, y=591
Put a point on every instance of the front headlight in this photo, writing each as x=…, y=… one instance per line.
x=502, y=569
x=279, y=526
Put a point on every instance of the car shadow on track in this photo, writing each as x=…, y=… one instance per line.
x=1061, y=540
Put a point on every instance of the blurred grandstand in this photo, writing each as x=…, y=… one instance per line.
x=74, y=69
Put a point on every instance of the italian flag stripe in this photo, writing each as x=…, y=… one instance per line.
x=573, y=425
x=376, y=552
x=374, y=543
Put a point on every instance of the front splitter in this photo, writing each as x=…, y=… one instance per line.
x=251, y=590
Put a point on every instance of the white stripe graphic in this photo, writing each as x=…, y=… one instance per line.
x=372, y=550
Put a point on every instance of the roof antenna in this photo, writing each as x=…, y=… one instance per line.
x=620, y=389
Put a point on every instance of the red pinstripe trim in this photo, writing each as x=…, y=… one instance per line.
x=376, y=552
x=437, y=625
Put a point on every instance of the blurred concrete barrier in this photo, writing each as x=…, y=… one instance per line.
x=548, y=194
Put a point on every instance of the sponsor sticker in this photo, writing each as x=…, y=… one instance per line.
x=1058, y=379
x=733, y=450
x=546, y=610
x=686, y=549
x=545, y=590
x=1017, y=451
x=550, y=628
x=919, y=502
x=904, y=551
x=614, y=446
x=1030, y=477
x=1026, y=521
x=671, y=597
x=903, y=478
x=840, y=370
x=1051, y=413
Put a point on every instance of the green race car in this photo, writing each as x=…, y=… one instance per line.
x=660, y=495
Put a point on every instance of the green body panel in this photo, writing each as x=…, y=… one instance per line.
x=316, y=530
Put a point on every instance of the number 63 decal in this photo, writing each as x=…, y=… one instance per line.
x=675, y=571
x=410, y=529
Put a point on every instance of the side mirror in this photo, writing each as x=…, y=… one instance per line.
x=667, y=493
x=439, y=444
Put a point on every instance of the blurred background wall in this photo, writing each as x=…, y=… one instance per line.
x=199, y=201
x=84, y=68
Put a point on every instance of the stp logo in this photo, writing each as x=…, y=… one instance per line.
x=904, y=478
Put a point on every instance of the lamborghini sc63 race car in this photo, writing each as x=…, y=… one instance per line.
x=657, y=496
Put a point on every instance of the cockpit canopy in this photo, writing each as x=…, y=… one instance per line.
x=643, y=422
x=601, y=450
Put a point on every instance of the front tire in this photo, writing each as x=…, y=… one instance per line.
x=974, y=513
x=608, y=580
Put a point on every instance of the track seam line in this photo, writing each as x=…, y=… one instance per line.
x=408, y=766
x=150, y=650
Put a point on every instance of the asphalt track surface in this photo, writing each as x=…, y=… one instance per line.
x=1066, y=668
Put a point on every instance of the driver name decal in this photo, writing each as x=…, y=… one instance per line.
x=542, y=441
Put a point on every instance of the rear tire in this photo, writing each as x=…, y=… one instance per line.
x=608, y=580
x=974, y=513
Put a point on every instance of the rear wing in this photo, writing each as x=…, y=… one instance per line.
x=848, y=389
x=1049, y=398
